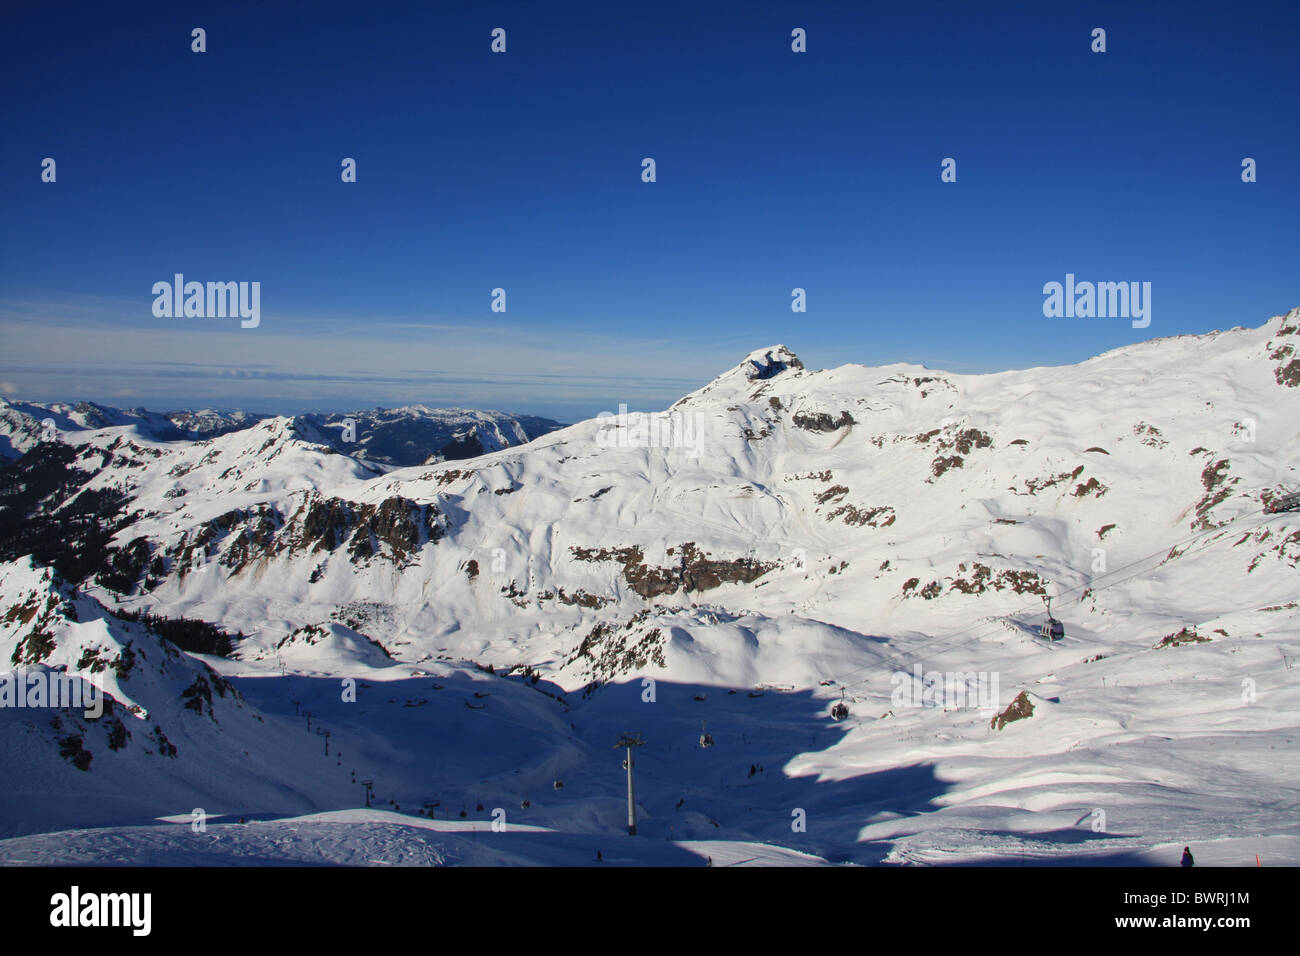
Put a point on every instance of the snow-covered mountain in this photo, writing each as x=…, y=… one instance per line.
x=779, y=540
x=24, y=425
x=409, y=435
x=416, y=434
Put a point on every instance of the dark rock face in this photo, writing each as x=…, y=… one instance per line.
x=646, y=581
x=1287, y=372
x=325, y=525
x=942, y=464
x=701, y=573
x=401, y=524
x=1218, y=488
x=583, y=599
x=696, y=571
x=260, y=525
x=982, y=578
x=1018, y=709
x=395, y=530
x=822, y=422
x=1187, y=635
x=881, y=517
x=967, y=440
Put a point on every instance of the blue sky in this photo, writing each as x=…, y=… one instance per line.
x=522, y=171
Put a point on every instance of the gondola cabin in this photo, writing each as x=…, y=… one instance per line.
x=1052, y=629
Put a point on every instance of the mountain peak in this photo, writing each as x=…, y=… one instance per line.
x=765, y=363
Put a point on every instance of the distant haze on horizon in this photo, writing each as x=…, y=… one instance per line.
x=654, y=394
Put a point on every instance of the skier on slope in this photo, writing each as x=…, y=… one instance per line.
x=1187, y=857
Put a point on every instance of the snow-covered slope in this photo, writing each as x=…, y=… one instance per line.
x=778, y=540
x=173, y=736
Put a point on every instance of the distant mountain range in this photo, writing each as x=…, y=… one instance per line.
x=393, y=437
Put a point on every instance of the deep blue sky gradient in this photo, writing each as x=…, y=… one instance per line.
x=775, y=170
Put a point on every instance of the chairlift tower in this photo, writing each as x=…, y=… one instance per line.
x=629, y=740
